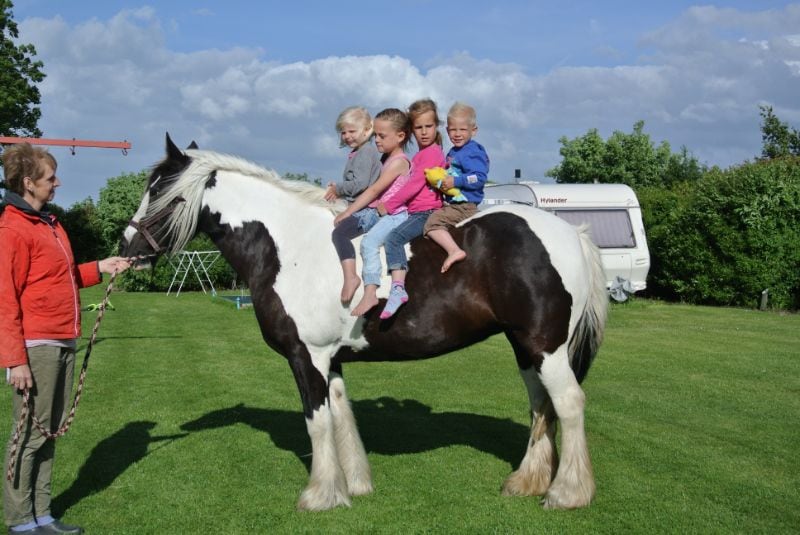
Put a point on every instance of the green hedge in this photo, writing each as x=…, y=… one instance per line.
x=729, y=236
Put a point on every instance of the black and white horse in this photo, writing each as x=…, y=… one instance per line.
x=528, y=275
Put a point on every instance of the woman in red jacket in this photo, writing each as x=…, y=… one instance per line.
x=39, y=325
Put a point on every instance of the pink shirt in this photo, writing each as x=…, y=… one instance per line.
x=415, y=193
x=393, y=188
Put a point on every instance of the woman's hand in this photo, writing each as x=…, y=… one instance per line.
x=20, y=377
x=114, y=264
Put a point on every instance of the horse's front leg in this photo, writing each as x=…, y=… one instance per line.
x=327, y=487
x=352, y=456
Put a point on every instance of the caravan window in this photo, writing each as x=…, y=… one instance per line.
x=609, y=228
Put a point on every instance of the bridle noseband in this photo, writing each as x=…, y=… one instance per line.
x=146, y=223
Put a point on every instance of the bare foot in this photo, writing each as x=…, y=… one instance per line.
x=349, y=288
x=452, y=258
x=366, y=303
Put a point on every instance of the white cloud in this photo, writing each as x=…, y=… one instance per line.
x=700, y=86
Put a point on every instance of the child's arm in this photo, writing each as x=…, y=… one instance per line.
x=422, y=160
x=475, y=170
x=360, y=173
x=388, y=175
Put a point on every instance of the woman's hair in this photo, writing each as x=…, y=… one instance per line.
x=425, y=105
x=460, y=109
x=399, y=121
x=356, y=116
x=25, y=160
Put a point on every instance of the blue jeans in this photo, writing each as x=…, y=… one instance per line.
x=367, y=218
x=371, y=246
x=400, y=236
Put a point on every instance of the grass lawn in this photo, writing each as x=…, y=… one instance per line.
x=190, y=424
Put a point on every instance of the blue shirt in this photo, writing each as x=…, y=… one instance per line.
x=469, y=167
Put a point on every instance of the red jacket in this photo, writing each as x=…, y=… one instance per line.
x=39, y=281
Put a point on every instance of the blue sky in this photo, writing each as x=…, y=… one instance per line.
x=265, y=80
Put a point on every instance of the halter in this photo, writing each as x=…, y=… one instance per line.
x=143, y=226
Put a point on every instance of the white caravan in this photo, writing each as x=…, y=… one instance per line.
x=612, y=211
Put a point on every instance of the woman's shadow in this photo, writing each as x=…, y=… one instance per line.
x=108, y=460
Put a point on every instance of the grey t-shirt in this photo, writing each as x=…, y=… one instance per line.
x=362, y=169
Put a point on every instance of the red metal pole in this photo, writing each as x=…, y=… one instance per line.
x=123, y=145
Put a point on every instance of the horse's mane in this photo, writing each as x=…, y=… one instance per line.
x=190, y=185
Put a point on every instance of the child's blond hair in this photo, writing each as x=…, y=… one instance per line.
x=355, y=116
x=460, y=109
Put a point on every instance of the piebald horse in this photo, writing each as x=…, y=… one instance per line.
x=528, y=275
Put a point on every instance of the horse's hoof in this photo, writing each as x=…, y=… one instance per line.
x=560, y=498
x=314, y=500
x=522, y=484
x=360, y=488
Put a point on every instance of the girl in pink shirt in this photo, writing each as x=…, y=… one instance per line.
x=420, y=198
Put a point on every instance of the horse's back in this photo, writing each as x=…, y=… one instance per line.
x=511, y=280
x=559, y=239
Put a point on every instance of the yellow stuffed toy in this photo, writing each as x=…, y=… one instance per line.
x=435, y=176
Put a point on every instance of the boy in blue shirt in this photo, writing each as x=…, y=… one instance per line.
x=468, y=167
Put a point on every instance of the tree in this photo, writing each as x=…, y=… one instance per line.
x=119, y=200
x=630, y=159
x=583, y=159
x=80, y=222
x=778, y=139
x=19, y=96
x=303, y=177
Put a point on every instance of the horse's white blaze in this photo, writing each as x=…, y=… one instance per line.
x=130, y=231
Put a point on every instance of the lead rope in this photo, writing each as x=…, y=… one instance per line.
x=68, y=422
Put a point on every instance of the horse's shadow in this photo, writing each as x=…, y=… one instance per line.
x=108, y=460
x=387, y=427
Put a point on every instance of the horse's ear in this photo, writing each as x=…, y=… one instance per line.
x=192, y=145
x=173, y=152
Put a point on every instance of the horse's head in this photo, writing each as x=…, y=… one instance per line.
x=146, y=235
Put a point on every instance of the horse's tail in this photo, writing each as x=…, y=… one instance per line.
x=588, y=332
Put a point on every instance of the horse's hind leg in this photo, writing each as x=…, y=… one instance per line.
x=349, y=447
x=537, y=468
x=574, y=482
